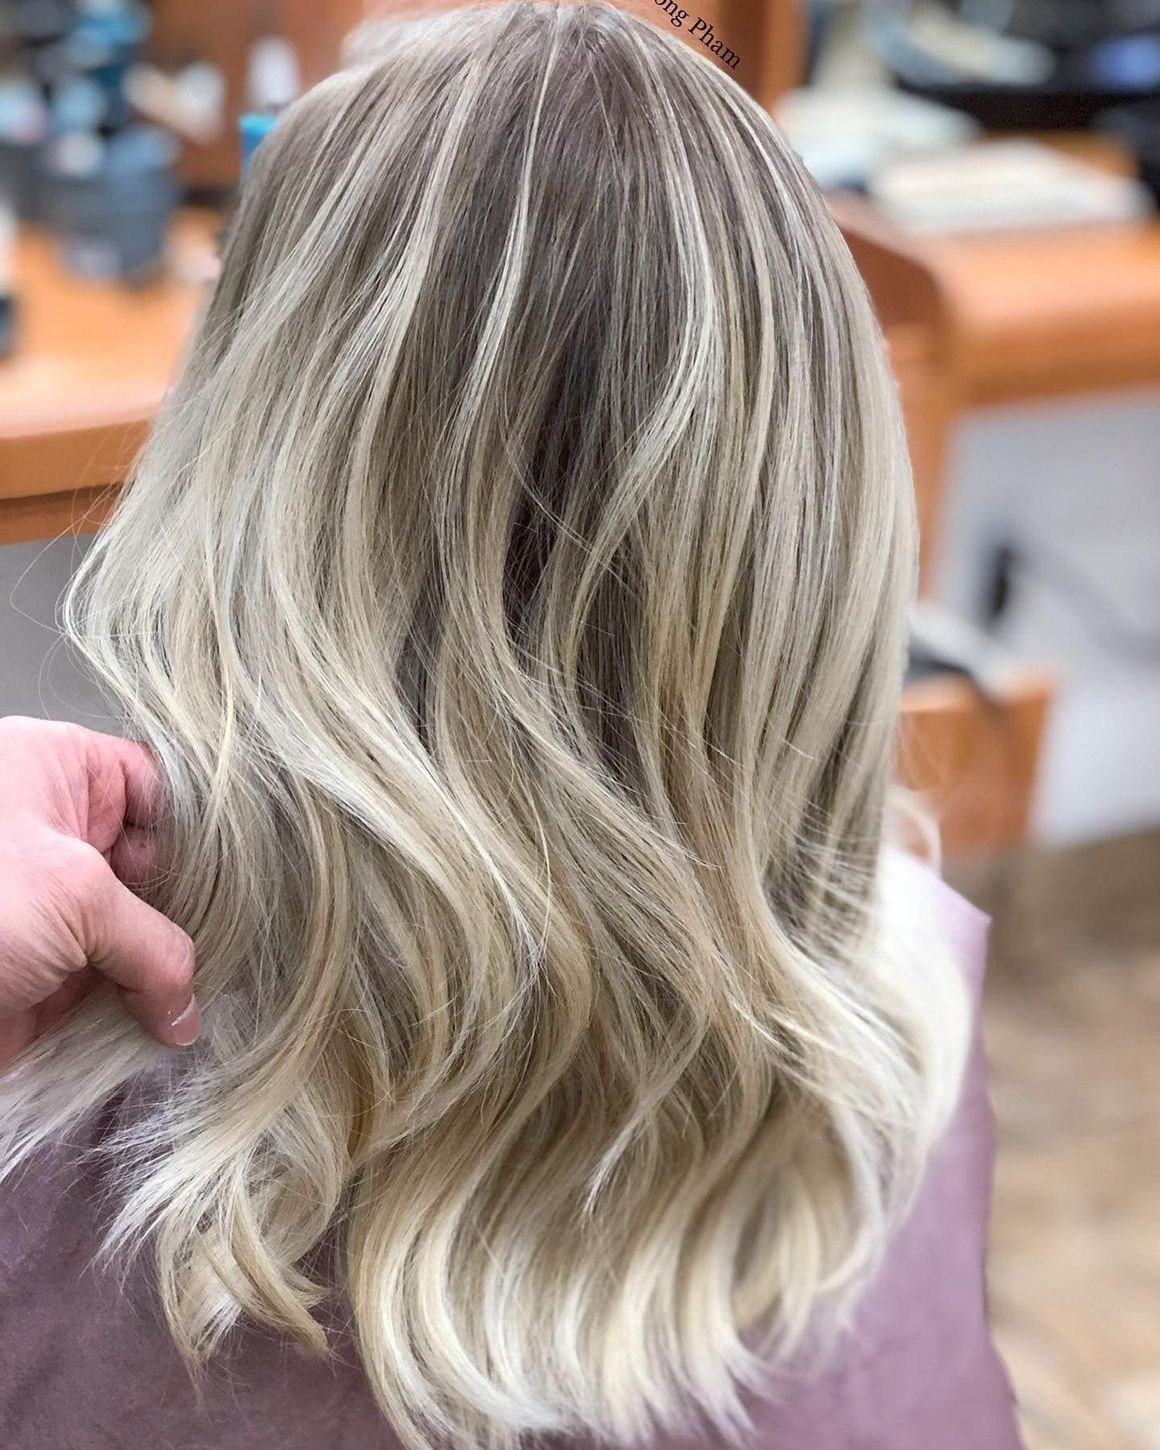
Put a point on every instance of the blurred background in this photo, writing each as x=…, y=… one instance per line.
x=994, y=165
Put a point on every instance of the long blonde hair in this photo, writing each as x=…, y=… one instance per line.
x=513, y=593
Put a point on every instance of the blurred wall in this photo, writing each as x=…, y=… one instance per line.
x=38, y=676
x=1073, y=484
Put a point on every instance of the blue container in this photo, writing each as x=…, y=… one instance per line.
x=112, y=217
x=20, y=178
x=255, y=127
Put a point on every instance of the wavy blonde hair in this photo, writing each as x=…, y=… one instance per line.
x=513, y=593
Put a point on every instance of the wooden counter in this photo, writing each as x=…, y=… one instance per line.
x=1012, y=317
x=1029, y=314
x=974, y=759
x=90, y=365
x=93, y=362
x=1053, y=314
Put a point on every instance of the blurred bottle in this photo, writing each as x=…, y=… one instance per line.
x=109, y=183
x=23, y=127
x=274, y=79
x=273, y=82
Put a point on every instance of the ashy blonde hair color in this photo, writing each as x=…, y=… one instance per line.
x=513, y=594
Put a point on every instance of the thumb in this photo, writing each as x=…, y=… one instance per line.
x=148, y=957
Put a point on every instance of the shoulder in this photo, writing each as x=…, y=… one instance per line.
x=963, y=925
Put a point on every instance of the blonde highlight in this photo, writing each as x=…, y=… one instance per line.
x=513, y=593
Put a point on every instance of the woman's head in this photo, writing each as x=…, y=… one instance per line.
x=513, y=592
x=539, y=392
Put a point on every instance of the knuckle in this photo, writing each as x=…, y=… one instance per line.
x=81, y=868
x=78, y=879
x=17, y=735
x=31, y=753
x=60, y=883
x=25, y=730
x=16, y=725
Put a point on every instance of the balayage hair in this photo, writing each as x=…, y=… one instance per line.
x=513, y=594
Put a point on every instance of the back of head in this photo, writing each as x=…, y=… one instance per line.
x=513, y=593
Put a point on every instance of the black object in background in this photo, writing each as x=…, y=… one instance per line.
x=1105, y=53
x=1138, y=127
x=7, y=322
x=1066, y=581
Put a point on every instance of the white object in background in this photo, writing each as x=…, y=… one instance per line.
x=23, y=113
x=845, y=133
x=976, y=52
x=1002, y=185
x=78, y=154
x=274, y=78
x=192, y=103
x=7, y=246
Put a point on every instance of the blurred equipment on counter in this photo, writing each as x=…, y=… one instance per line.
x=264, y=52
x=255, y=126
x=1003, y=185
x=845, y=133
x=274, y=79
x=273, y=83
x=190, y=103
x=73, y=151
x=1138, y=128
x=7, y=291
x=1022, y=64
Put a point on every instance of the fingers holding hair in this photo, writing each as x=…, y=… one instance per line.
x=147, y=956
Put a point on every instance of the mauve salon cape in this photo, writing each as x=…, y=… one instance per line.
x=84, y=1366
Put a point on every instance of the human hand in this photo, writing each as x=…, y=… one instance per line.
x=76, y=811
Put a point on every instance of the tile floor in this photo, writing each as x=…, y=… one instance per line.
x=1073, y=1032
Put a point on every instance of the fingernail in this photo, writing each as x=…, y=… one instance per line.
x=186, y=1027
